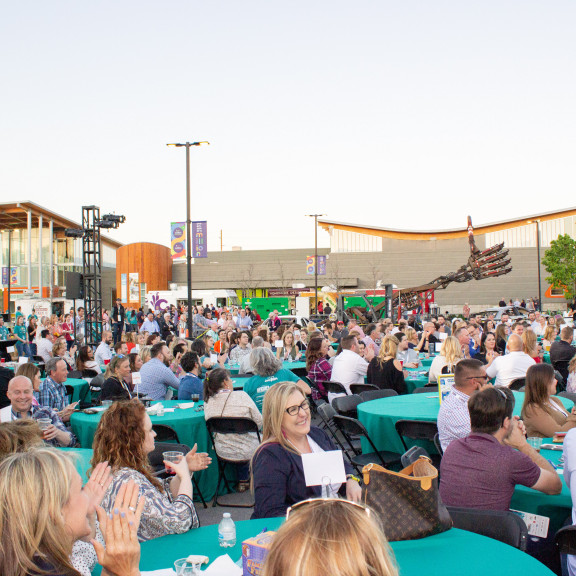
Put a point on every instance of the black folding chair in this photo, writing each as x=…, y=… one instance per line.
x=418, y=430
x=425, y=390
x=334, y=387
x=377, y=394
x=517, y=384
x=157, y=462
x=561, y=366
x=165, y=433
x=359, y=388
x=565, y=539
x=229, y=425
x=347, y=405
x=569, y=395
x=506, y=527
x=438, y=445
x=350, y=449
x=69, y=392
x=352, y=428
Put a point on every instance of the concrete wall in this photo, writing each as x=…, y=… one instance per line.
x=404, y=263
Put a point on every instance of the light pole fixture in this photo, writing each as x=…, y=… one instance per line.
x=537, y=222
x=188, y=229
x=315, y=216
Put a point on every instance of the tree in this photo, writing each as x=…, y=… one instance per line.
x=560, y=262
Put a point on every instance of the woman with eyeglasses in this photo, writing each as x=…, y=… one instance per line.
x=277, y=471
x=330, y=537
x=544, y=414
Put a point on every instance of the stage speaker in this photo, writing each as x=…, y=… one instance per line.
x=74, y=286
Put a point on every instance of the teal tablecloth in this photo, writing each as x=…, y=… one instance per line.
x=416, y=378
x=189, y=425
x=294, y=366
x=557, y=508
x=81, y=389
x=380, y=416
x=451, y=553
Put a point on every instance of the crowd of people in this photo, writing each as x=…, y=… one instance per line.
x=476, y=424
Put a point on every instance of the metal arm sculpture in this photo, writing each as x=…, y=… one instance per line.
x=489, y=263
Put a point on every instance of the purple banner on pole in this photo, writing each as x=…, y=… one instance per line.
x=5, y=275
x=199, y=239
x=321, y=265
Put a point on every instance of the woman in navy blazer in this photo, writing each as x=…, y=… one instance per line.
x=278, y=475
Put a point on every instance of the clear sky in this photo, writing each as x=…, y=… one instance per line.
x=405, y=114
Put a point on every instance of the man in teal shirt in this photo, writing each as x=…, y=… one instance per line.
x=267, y=372
x=3, y=330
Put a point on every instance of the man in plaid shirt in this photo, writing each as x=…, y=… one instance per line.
x=52, y=393
x=20, y=393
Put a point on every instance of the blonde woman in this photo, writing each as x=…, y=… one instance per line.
x=530, y=346
x=288, y=351
x=61, y=349
x=450, y=355
x=310, y=543
x=44, y=481
x=384, y=370
x=412, y=337
x=145, y=353
x=277, y=474
x=549, y=336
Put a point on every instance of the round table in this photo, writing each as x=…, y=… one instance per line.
x=188, y=424
x=416, y=378
x=454, y=552
x=295, y=367
x=380, y=416
x=81, y=389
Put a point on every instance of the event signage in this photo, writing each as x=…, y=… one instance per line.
x=5, y=275
x=199, y=239
x=311, y=265
x=124, y=287
x=13, y=275
x=178, y=240
x=134, y=288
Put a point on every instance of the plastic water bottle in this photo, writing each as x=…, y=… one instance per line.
x=227, y=531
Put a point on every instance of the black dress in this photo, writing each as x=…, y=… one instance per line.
x=113, y=389
x=386, y=376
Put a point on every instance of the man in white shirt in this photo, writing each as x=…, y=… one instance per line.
x=103, y=351
x=408, y=357
x=453, y=416
x=44, y=345
x=513, y=365
x=349, y=367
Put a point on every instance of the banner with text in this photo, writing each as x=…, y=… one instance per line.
x=5, y=275
x=200, y=239
x=123, y=288
x=311, y=265
x=178, y=240
x=13, y=275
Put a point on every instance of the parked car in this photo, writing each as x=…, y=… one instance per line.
x=300, y=320
x=514, y=312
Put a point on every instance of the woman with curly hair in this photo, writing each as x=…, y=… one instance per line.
x=124, y=439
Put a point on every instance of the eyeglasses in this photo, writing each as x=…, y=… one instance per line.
x=294, y=410
x=327, y=501
x=485, y=377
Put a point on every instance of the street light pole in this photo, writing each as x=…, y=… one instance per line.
x=188, y=232
x=537, y=222
x=315, y=216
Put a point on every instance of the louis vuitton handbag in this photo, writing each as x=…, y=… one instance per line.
x=407, y=502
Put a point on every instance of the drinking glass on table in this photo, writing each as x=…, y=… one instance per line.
x=172, y=456
x=185, y=568
x=536, y=443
